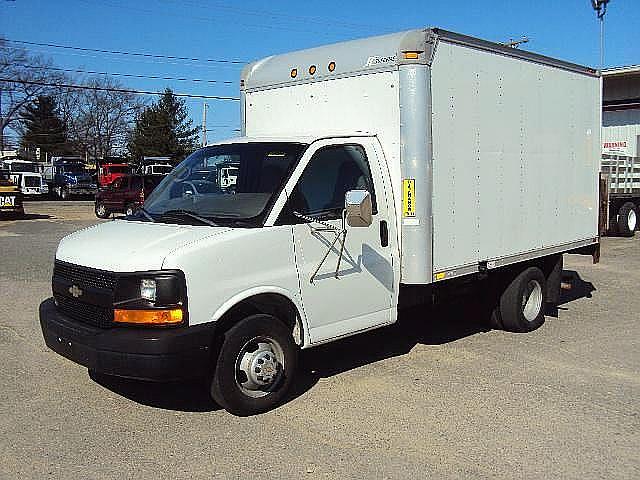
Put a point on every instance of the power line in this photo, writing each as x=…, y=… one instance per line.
x=112, y=89
x=114, y=74
x=334, y=22
x=134, y=54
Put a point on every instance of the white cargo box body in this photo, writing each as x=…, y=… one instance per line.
x=502, y=145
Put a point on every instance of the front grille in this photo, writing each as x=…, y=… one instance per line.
x=84, y=276
x=31, y=182
x=83, y=312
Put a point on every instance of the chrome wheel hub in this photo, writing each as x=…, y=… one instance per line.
x=532, y=300
x=259, y=366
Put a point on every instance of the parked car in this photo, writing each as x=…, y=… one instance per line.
x=125, y=194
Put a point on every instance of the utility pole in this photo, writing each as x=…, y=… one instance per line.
x=204, y=124
x=600, y=6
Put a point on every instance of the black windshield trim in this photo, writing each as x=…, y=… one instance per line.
x=259, y=220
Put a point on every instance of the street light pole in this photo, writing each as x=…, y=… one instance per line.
x=600, y=6
x=204, y=124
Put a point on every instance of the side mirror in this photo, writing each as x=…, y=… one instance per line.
x=357, y=204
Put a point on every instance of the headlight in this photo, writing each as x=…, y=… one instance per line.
x=148, y=289
x=151, y=298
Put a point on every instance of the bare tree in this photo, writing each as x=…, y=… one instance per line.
x=99, y=120
x=23, y=77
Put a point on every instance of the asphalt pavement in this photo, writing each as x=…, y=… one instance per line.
x=436, y=396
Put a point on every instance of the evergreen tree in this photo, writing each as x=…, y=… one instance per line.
x=43, y=128
x=164, y=130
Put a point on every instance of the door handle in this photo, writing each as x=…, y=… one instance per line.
x=384, y=233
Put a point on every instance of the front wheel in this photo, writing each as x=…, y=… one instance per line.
x=65, y=194
x=101, y=210
x=129, y=210
x=255, y=366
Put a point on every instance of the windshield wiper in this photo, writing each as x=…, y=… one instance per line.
x=147, y=214
x=190, y=214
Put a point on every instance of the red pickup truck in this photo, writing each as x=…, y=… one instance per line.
x=109, y=172
x=125, y=194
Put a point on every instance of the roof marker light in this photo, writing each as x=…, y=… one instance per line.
x=312, y=70
x=411, y=55
x=294, y=72
x=332, y=66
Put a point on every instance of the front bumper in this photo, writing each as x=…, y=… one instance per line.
x=82, y=190
x=140, y=353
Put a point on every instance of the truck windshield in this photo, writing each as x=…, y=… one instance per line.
x=73, y=169
x=229, y=184
x=116, y=169
x=23, y=167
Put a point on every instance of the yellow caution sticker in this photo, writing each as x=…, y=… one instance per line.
x=409, y=198
x=440, y=275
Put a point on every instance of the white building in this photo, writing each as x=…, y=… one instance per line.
x=621, y=111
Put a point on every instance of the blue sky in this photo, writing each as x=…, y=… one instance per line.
x=208, y=29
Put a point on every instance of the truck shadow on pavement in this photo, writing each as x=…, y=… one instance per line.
x=184, y=396
x=422, y=325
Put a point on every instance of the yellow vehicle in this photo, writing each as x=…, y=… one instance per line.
x=10, y=196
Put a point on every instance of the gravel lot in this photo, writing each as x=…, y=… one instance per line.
x=434, y=396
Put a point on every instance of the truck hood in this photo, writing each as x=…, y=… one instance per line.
x=129, y=246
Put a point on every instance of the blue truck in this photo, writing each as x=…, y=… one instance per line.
x=67, y=177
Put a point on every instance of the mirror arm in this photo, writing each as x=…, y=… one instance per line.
x=340, y=234
x=343, y=234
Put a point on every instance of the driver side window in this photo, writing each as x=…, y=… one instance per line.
x=330, y=174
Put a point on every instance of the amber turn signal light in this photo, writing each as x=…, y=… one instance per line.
x=148, y=317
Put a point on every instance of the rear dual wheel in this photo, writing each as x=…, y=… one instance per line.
x=627, y=219
x=255, y=366
x=521, y=304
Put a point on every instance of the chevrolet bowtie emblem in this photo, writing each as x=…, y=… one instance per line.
x=75, y=291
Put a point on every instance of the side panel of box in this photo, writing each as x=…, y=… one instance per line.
x=515, y=156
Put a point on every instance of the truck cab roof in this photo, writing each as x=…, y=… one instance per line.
x=294, y=138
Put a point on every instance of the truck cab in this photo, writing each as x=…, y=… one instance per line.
x=27, y=177
x=67, y=178
x=108, y=172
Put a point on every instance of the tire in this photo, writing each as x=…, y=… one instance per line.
x=129, y=210
x=101, y=210
x=521, y=305
x=627, y=219
x=64, y=193
x=258, y=344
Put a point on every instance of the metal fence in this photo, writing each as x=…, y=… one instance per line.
x=623, y=173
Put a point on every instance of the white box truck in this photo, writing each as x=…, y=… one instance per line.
x=369, y=173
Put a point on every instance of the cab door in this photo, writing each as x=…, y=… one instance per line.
x=350, y=288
